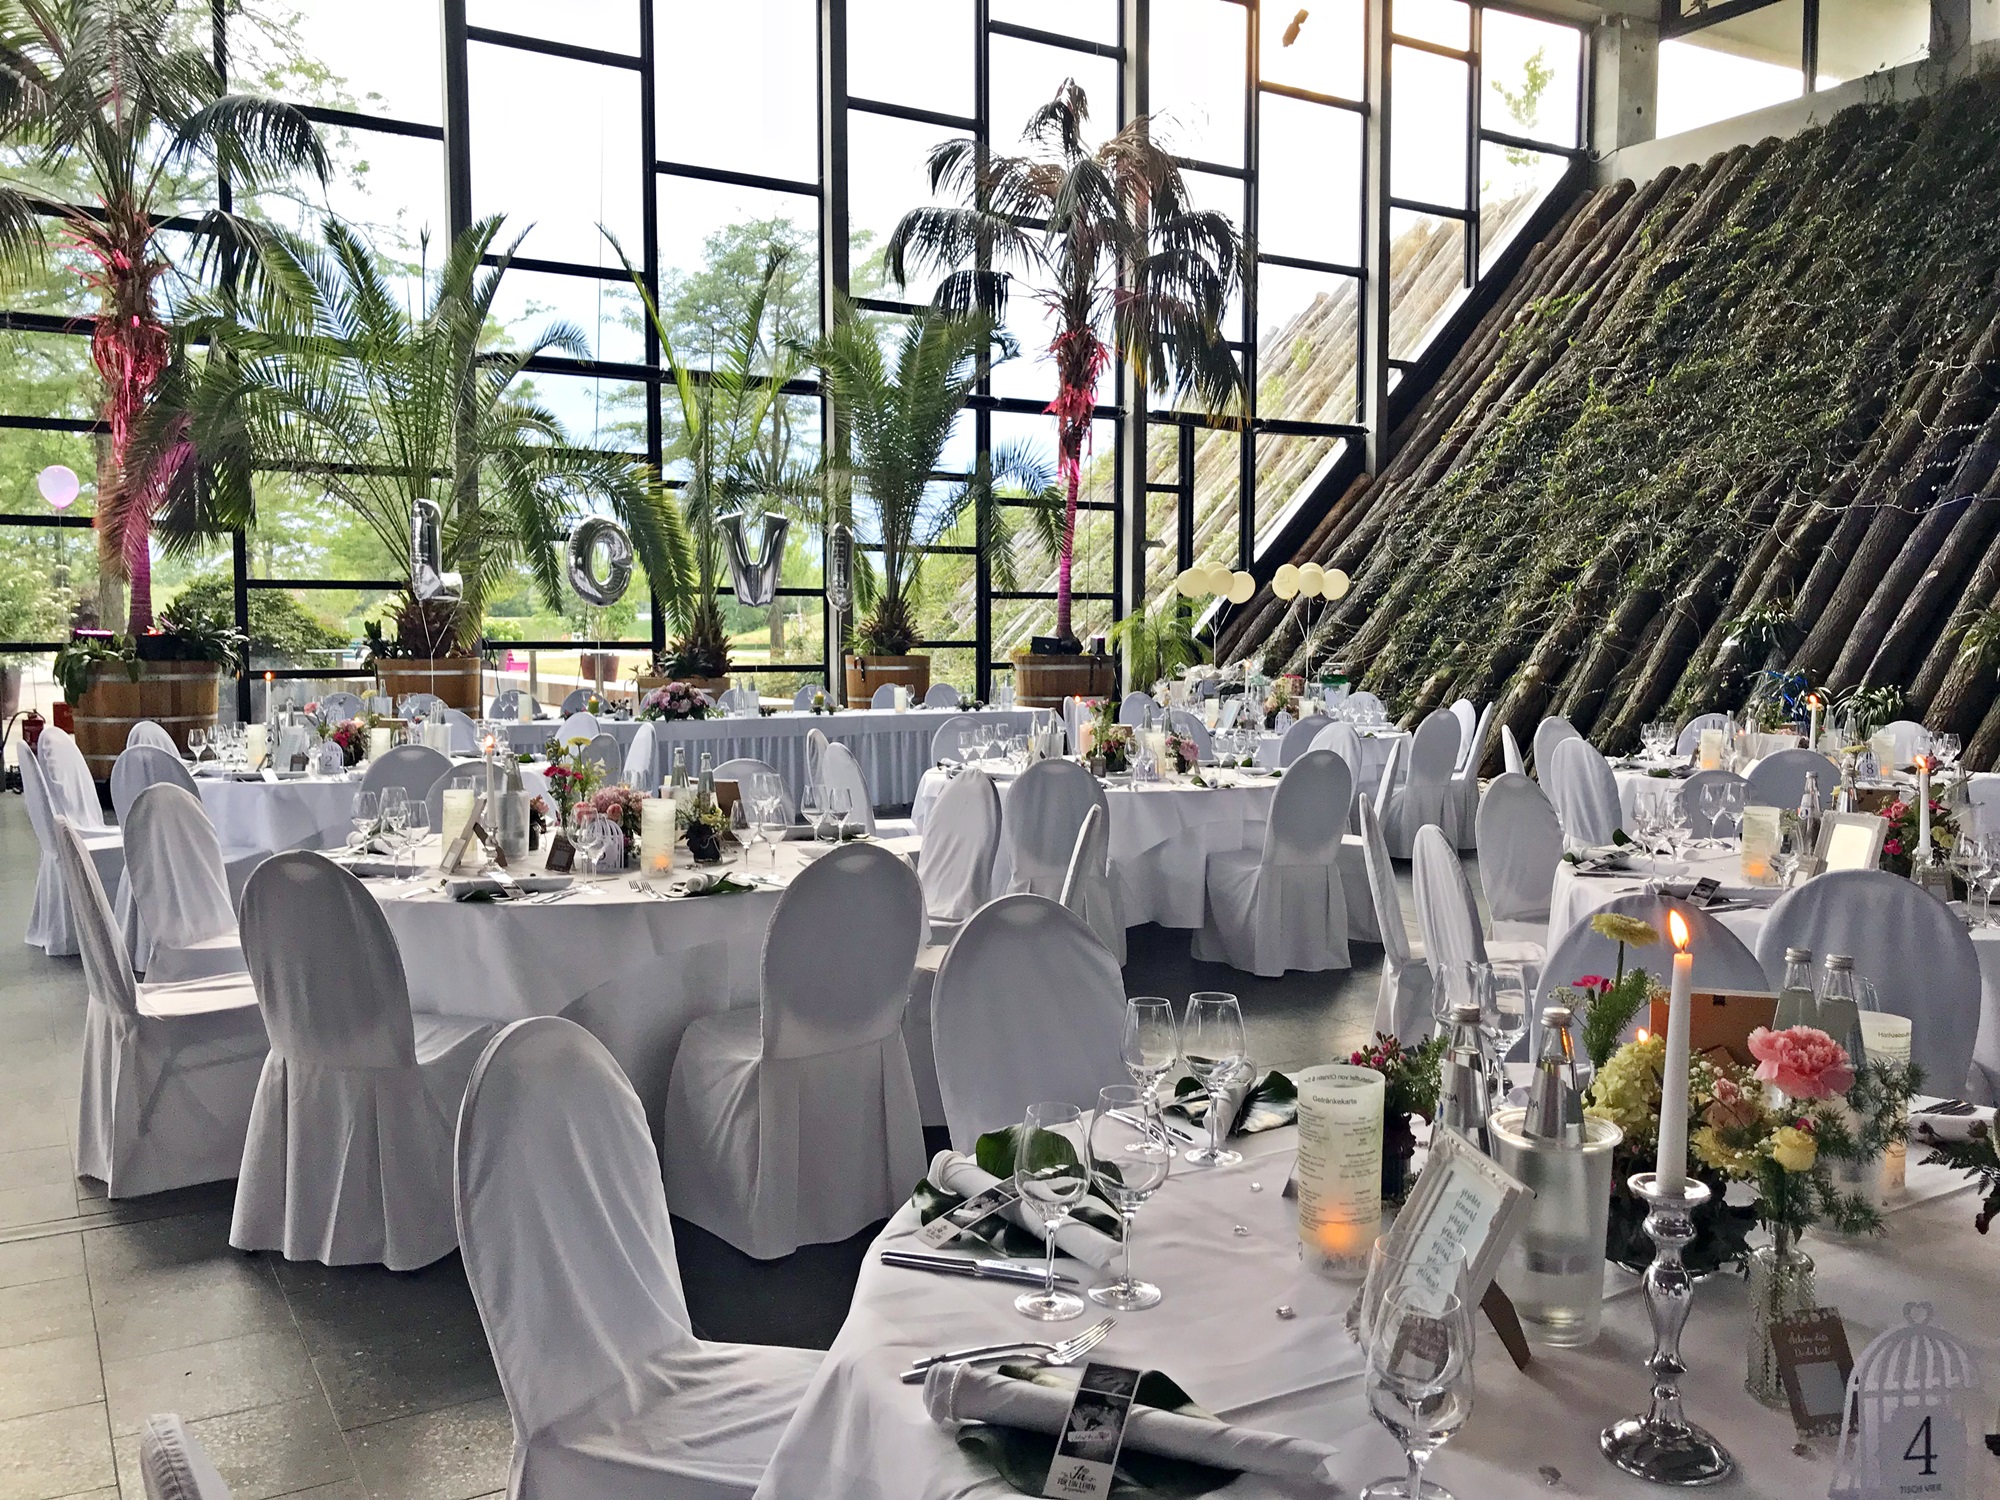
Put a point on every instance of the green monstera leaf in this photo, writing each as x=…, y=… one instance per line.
x=1272, y=1103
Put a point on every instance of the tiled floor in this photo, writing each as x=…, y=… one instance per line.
x=339, y=1384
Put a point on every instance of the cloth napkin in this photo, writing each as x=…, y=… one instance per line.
x=959, y=1393
x=954, y=1172
x=485, y=885
x=1602, y=857
x=364, y=866
x=708, y=883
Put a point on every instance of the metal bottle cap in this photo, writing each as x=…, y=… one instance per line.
x=1465, y=1014
x=1840, y=963
x=1798, y=955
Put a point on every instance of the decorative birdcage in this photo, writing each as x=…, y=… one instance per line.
x=1910, y=1417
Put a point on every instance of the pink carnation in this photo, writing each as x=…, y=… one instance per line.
x=1803, y=1061
x=1593, y=982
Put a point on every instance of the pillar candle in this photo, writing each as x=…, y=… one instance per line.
x=1812, y=733
x=256, y=744
x=1670, y=1168
x=656, y=836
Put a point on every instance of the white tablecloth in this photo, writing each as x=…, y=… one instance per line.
x=1375, y=747
x=268, y=816
x=528, y=739
x=862, y=1435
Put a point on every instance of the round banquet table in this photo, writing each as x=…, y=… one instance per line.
x=1376, y=745
x=862, y=1435
x=528, y=738
x=292, y=813
x=1161, y=837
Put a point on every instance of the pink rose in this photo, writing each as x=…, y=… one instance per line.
x=1803, y=1061
x=1892, y=846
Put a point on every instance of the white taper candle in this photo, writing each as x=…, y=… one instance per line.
x=1670, y=1167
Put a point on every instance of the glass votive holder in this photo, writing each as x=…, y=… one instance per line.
x=453, y=814
x=656, y=838
x=1340, y=1167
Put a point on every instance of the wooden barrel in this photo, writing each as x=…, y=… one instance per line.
x=455, y=679
x=1044, y=681
x=867, y=673
x=176, y=695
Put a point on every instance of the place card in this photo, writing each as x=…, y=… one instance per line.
x=1813, y=1365
x=947, y=1227
x=562, y=854
x=1093, y=1432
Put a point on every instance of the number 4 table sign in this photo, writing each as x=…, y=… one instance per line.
x=1911, y=1414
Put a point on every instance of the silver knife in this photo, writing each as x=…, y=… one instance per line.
x=984, y=1270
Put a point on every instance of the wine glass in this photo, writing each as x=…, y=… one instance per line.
x=416, y=828
x=1968, y=862
x=1502, y=991
x=1451, y=988
x=1735, y=797
x=1645, y=827
x=768, y=791
x=1673, y=821
x=197, y=743
x=1050, y=1181
x=840, y=805
x=1212, y=1045
x=1714, y=801
x=965, y=743
x=1419, y=1383
x=366, y=810
x=395, y=808
x=1152, y=1042
x=812, y=803
x=1438, y=1268
x=1791, y=849
x=1130, y=1156
x=1945, y=747
x=741, y=828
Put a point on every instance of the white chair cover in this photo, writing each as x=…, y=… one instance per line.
x=464, y=736
x=1688, y=742
x=1135, y=708
x=1780, y=780
x=603, y=751
x=1403, y=999
x=816, y=743
x=1086, y=891
x=1045, y=813
x=1551, y=732
x=645, y=765
x=1721, y=961
x=1907, y=735
x=1584, y=792
x=1298, y=739
x=507, y=705
x=1468, y=723
x=1520, y=845
x=802, y=700
x=419, y=705
x=1910, y=944
x=797, y=1123
x=570, y=1256
x=1448, y=917
x=173, y=1466
x=1691, y=789
x=146, y=732
x=1465, y=780
x=739, y=700
x=944, y=744
x=1184, y=723
x=1028, y=1006
x=960, y=843
x=336, y=707
x=50, y=925
x=574, y=700
x=348, y=1161
x=942, y=695
x=1340, y=737
x=168, y=1069
x=414, y=768
x=1426, y=797
x=884, y=696
x=141, y=766
x=1284, y=908
x=1385, y=787
x=838, y=768
x=180, y=891
x=1510, y=751
x=72, y=789
x=743, y=768
x=578, y=726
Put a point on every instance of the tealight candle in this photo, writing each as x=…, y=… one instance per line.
x=1340, y=1165
x=1670, y=1167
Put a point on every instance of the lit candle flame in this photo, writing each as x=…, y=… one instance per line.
x=1678, y=927
x=1644, y=1034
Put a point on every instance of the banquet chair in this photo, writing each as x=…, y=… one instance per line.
x=1086, y=891
x=1520, y=845
x=1584, y=792
x=72, y=789
x=575, y=700
x=464, y=737
x=1299, y=737
x=1917, y=953
x=797, y=1123
x=802, y=700
x=169, y=1070
x=1364, y=708
x=1688, y=741
x=419, y=705
x=1465, y=780
x=816, y=743
x=1283, y=907
x=1448, y=917
x=884, y=696
x=1403, y=998
x=348, y=1160
x=1385, y=785
x=741, y=769
x=1510, y=751
x=51, y=925
x=1908, y=736
x=1721, y=961
x=1189, y=726
x=1702, y=825
x=173, y=1465
x=1028, y=1006
x=414, y=768
x=336, y=707
x=944, y=744
x=734, y=700
x=180, y=890
x=1550, y=733
x=146, y=732
x=1425, y=799
x=507, y=705
x=839, y=770
x=1135, y=708
x=569, y=1252
x=961, y=840
x=141, y=766
x=1340, y=737
x=1045, y=812
x=1468, y=720
x=578, y=726
x=942, y=695
x=603, y=752
x=645, y=758
x=1780, y=780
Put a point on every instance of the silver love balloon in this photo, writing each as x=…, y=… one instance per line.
x=584, y=541
x=756, y=583
x=840, y=567
x=428, y=580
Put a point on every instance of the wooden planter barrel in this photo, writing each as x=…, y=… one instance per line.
x=867, y=673
x=1044, y=681
x=176, y=695
x=455, y=679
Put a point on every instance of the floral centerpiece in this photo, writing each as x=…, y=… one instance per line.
x=1283, y=698
x=820, y=703
x=1109, y=738
x=1182, y=753
x=621, y=805
x=1410, y=1087
x=675, y=701
x=352, y=737
x=1899, y=846
x=572, y=779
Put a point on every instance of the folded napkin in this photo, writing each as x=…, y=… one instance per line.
x=954, y=1172
x=1612, y=856
x=1254, y=1104
x=958, y=1393
x=460, y=888
x=363, y=866
x=709, y=883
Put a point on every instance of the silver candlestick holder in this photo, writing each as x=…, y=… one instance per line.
x=1662, y=1446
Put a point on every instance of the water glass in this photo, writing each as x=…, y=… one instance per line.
x=1419, y=1384
x=416, y=828
x=840, y=804
x=367, y=808
x=1152, y=1042
x=1051, y=1181
x=1130, y=1156
x=1438, y=1270
x=1212, y=1045
x=197, y=743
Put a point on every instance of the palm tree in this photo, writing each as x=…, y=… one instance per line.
x=331, y=377
x=113, y=86
x=1123, y=260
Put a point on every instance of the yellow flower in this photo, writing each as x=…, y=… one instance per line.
x=1794, y=1149
x=1711, y=1150
x=1620, y=928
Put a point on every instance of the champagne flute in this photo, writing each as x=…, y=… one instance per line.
x=1212, y=1045
x=1051, y=1181
x=1130, y=1156
x=1152, y=1043
x=1419, y=1383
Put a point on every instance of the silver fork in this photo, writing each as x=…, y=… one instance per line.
x=1065, y=1353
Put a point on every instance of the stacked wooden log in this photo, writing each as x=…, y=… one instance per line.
x=1762, y=387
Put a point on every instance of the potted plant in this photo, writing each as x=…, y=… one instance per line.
x=169, y=674
x=1126, y=266
x=1158, y=642
x=331, y=374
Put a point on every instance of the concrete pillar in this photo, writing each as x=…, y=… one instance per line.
x=1627, y=83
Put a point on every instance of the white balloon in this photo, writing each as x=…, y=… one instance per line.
x=1285, y=582
x=59, y=485
x=1192, y=582
x=1312, y=579
x=1218, y=578
x=1241, y=587
x=1337, y=584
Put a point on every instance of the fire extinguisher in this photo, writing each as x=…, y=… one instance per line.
x=31, y=732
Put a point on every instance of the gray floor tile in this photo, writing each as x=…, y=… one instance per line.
x=262, y=1453
x=158, y=1241
x=48, y=1258
x=37, y=1166
x=355, y=1305
x=145, y=1312
x=454, y=1454
x=54, y=1453
x=49, y=1376
x=35, y=1117
x=379, y=1381
x=208, y=1380
x=347, y=1489
x=39, y=1203
x=41, y=1310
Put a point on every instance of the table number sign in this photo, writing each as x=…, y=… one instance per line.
x=1087, y=1451
x=1910, y=1409
x=1813, y=1366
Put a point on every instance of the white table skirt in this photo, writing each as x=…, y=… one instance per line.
x=528, y=739
x=862, y=1435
